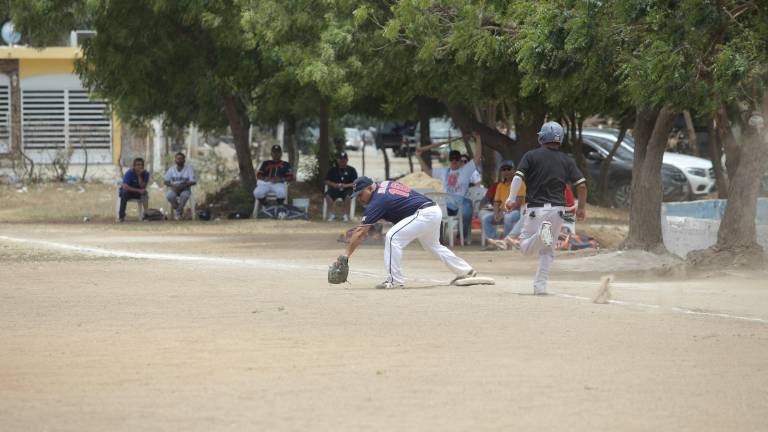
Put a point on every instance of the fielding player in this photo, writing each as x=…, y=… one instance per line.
x=415, y=217
x=545, y=171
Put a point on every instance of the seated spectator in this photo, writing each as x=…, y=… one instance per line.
x=500, y=215
x=456, y=179
x=339, y=181
x=134, y=187
x=179, y=179
x=272, y=177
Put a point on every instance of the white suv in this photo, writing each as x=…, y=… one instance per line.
x=698, y=171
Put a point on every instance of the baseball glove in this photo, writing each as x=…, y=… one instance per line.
x=338, y=271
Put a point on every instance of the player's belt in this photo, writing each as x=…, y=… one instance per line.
x=426, y=205
x=532, y=205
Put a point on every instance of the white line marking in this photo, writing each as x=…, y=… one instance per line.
x=275, y=264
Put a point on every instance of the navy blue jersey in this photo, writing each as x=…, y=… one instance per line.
x=275, y=168
x=392, y=202
x=132, y=179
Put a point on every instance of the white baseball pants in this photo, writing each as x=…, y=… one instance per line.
x=530, y=243
x=264, y=187
x=423, y=226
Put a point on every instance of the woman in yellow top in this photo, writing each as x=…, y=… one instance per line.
x=500, y=215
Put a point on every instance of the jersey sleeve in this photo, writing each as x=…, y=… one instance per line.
x=575, y=177
x=353, y=175
x=523, y=166
x=167, y=177
x=329, y=175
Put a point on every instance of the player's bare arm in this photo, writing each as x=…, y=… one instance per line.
x=357, y=238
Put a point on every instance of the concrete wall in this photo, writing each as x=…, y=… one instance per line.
x=693, y=225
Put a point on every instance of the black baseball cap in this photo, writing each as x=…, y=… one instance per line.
x=454, y=155
x=507, y=163
x=342, y=155
x=277, y=148
x=361, y=183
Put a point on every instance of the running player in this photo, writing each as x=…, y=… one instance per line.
x=545, y=170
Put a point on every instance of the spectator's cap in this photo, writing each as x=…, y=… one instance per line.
x=342, y=155
x=551, y=132
x=454, y=155
x=507, y=164
x=361, y=183
x=277, y=148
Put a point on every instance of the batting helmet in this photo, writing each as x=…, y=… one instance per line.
x=551, y=132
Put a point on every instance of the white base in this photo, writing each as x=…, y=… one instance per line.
x=475, y=281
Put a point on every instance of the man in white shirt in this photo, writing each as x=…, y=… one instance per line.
x=179, y=179
x=456, y=180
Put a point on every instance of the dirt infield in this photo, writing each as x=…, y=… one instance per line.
x=231, y=326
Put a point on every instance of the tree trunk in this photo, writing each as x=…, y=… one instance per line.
x=652, y=131
x=737, y=229
x=691, y=132
x=324, y=146
x=239, y=125
x=488, y=170
x=577, y=147
x=425, y=134
x=716, y=156
x=386, y=162
x=528, y=120
x=491, y=137
x=605, y=166
x=727, y=140
x=291, y=142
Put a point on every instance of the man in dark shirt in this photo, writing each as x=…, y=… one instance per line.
x=415, y=217
x=546, y=171
x=272, y=177
x=340, y=180
x=134, y=187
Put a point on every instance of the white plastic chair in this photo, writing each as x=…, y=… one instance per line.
x=270, y=197
x=451, y=224
x=352, y=206
x=117, y=206
x=476, y=195
x=191, y=203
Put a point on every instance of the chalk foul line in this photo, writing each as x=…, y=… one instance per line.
x=277, y=264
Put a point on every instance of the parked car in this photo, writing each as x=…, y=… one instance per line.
x=674, y=182
x=440, y=129
x=353, y=140
x=390, y=134
x=698, y=171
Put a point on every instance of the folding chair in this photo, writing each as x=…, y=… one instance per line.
x=451, y=224
x=191, y=204
x=117, y=206
x=352, y=206
x=270, y=197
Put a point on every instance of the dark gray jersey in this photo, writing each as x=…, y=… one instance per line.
x=546, y=172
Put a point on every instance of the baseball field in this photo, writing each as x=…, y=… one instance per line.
x=231, y=325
